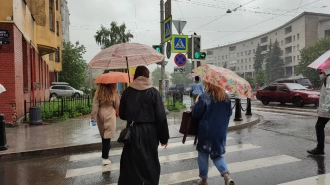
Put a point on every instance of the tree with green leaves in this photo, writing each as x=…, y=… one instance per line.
x=156, y=76
x=74, y=67
x=116, y=34
x=258, y=59
x=268, y=61
x=261, y=78
x=274, y=62
x=309, y=55
x=250, y=80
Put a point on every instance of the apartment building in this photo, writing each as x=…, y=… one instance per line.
x=302, y=31
x=30, y=52
x=65, y=20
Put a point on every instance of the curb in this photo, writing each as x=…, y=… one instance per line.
x=70, y=150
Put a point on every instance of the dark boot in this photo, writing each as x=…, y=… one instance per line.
x=316, y=151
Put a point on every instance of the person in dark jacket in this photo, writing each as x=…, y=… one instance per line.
x=213, y=109
x=139, y=163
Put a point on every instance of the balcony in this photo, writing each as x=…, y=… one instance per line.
x=288, y=50
x=46, y=40
x=288, y=40
x=288, y=30
x=288, y=59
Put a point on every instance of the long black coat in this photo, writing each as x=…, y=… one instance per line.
x=139, y=164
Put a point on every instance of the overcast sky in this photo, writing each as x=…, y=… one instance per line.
x=207, y=18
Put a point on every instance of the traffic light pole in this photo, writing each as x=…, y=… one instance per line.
x=163, y=62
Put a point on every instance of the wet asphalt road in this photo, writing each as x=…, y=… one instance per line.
x=278, y=134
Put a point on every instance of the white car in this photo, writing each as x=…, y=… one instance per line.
x=60, y=89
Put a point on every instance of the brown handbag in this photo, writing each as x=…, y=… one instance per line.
x=189, y=126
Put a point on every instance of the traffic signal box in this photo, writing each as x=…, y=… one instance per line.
x=195, y=48
x=158, y=48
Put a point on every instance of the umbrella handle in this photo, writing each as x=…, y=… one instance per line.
x=129, y=79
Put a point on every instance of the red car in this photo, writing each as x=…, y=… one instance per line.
x=288, y=93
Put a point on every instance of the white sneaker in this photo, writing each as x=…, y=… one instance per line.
x=106, y=161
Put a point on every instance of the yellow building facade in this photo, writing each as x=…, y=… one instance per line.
x=30, y=52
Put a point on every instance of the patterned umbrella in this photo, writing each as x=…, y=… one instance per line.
x=125, y=55
x=323, y=62
x=2, y=89
x=226, y=79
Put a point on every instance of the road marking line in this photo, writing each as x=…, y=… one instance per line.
x=119, y=151
x=184, y=176
x=316, y=180
x=162, y=159
x=283, y=114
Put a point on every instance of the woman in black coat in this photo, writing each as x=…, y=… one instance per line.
x=139, y=163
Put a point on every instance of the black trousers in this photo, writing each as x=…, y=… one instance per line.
x=319, y=127
x=105, y=148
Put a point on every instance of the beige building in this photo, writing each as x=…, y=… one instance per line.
x=302, y=31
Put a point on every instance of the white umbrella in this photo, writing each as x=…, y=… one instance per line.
x=2, y=89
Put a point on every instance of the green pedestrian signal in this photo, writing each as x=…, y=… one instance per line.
x=200, y=55
x=158, y=48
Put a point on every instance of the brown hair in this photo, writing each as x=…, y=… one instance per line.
x=217, y=93
x=141, y=71
x=106, y=93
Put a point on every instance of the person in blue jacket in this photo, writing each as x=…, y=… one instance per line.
x=197, y=88
x=213, y=109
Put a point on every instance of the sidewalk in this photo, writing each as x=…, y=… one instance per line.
x=77, y=135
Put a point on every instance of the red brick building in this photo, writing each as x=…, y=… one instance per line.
x=29, y=62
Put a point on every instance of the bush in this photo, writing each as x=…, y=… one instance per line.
x=71, y=108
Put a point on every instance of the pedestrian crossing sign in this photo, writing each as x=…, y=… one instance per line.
x=168, y=29
x=179, y=43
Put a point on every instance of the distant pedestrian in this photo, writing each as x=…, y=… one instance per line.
x=139, y=163
x=197, y=88
x=106, y=101
x=213, y=109
x=323, y=112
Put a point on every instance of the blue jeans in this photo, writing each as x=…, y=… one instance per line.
x=203, y=164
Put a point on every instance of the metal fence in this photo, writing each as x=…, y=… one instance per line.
x=57, y=107
x=173, y=98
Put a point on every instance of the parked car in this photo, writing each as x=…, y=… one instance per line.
x=60, y=89
x=176, y=88
x=187, y=91
x=288, y=93
x=300, y=80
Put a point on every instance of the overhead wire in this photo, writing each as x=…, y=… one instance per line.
x=213, y=40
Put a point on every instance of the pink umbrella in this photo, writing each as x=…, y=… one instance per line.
x=323, y=62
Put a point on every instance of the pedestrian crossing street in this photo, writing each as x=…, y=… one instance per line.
x=185, y=154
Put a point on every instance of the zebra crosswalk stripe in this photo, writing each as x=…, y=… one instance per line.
x=162, y=159
x=316, y=180
x=119, y=151
x=185, y=176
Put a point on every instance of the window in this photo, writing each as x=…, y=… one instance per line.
x=271, y=88
x=242, y=61
x=254, y=51
x=251, y=43
x=264, y=39
x=241, y=53
x=294, y=48
x=282, y=43
x=288, y=30
x=327, y=33
x=209, y=52
x=294, y=38
x=249, y=52
x=57, y=55
x=245, y=67
x=237, y=54
x=51, y=20
x=281, y=87
x=56, y=4
x=249, y=66
x=249, y=59
x=298, y=36
x=246, y=60
x=57, y=29
x=245, y=52
x=232, y=48
x=288, y=50
x=237, y=68
x=298, y=47
x=264, y=48
x=288, y=40
x=294, y=58
x=298, y=57
x=223, y=57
